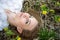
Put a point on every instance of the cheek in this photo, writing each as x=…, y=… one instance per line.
x=23, y=25
x=22, y=21
x=33, y=22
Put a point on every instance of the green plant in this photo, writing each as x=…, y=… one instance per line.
x=57, y=18
x=44, y=7
x=8, y=32
x=18, y=38
x=57, y=3
x=6, y=29
x=52, y=11
x=45, y=34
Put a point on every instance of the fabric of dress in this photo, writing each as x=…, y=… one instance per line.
x=13, y=5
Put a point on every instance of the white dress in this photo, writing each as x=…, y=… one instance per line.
x=13, y=5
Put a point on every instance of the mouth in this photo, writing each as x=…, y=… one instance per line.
x=21, y=14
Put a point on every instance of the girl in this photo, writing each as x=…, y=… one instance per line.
x=13, y=5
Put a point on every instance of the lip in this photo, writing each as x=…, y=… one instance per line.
x=21, y=14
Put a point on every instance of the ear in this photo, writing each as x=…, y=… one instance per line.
x=19, y=29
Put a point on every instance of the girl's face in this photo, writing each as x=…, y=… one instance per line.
x=23, y=20
x=27, y=21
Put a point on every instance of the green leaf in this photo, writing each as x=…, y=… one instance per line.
x=45, y=34
x=44, y=7
x=52, y=11
x=6, y=29
x=18, y=38
x=56, y=17
x=9, y=33
x=57, y=3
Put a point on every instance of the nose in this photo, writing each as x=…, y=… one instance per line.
x=26, y=15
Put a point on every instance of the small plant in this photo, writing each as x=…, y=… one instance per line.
x=52, y=11
x=57, y=18
x=6, y=29
x=8, y=32
x=45, y=34
x=18, y=38
x=44, y=7
x=57, y=3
